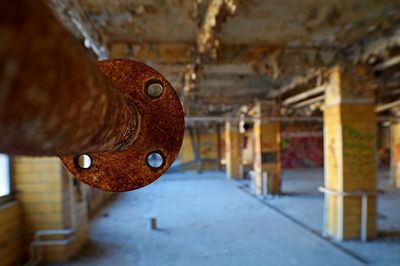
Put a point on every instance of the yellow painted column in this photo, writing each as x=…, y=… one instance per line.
x=233, y=151
x=267, y=152
x=350, y=153
x=396, y=153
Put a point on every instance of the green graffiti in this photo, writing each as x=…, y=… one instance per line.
x=351, y=132
x=284, y=143
x=359, y=151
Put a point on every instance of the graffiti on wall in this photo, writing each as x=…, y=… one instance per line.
x=302, y=149
x=358, y=150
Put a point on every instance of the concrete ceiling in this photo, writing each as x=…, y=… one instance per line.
x=143, y=21
x=254, y=48
x=277, y=22
x=266, y=22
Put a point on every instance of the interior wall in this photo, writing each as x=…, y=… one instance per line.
x=187, y=152
x=207, y=145
x=46, y=198
x=302, y=146
x=10, y=234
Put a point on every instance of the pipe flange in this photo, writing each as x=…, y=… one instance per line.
x=159, y=136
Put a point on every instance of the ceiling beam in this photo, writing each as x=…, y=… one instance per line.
x=235, y=81
x=228, y=99
x=228, y=91
x=388, y=63
x=308, y=102
x=295, y=82
x=387, y=106
x=207, y=68
x=154, y=52
x=304, y=95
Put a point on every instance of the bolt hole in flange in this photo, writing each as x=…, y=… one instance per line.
x=161, y=119
x=84, y=161
x=155, y=159
x=154, y=89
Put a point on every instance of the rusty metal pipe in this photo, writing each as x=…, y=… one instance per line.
x=55, y=101
x=53, y=98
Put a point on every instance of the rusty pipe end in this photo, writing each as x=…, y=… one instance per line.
x=159, y=135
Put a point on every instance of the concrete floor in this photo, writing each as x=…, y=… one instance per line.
x=302, y=202
x=205, y=219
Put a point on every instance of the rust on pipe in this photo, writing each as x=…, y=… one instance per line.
x=54, y=100
x=161, y=129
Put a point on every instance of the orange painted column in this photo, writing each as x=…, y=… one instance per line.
x=267, y=152
x=350, y=154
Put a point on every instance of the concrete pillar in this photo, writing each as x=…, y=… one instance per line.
x=396, y=154
x=267, y=152
x=233, y=151
x=219, y=148
x=350, y=153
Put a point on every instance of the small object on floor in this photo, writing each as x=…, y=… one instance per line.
x=153, y=221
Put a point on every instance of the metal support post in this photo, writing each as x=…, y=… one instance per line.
x=364, y=207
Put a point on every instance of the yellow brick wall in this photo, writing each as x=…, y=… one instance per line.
x=350, y=165
x=186, y=154
x=10, y=234
x=43, y=201
x=396, y=168
x=208, y=145
x=352, y=217
x=233, y=156
x=38, y=187
x=332, y=167
x=64, y=253
x=332, y=148
x=350, y=149
x=359, y=147
x=270, y=142
x=267, y=140
x=267, y=147
x=333, y=215
x=43, y=189
x=208, y=148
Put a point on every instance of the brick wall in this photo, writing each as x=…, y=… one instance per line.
x=396, y=153
x=38, y=187
x=350, y=166
x=208, y=151
x=10, y=237
x=46, y=194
